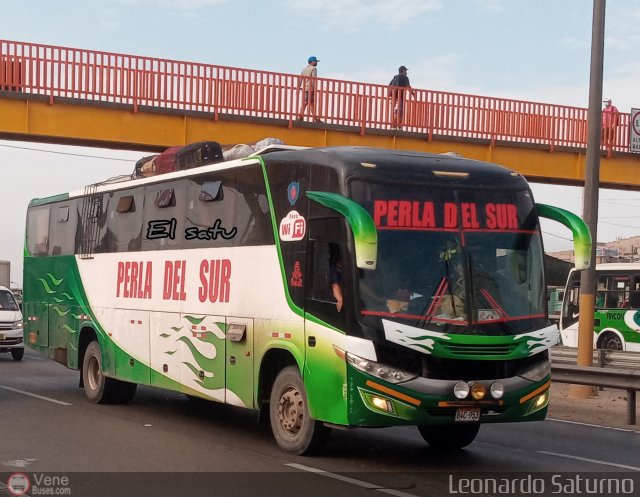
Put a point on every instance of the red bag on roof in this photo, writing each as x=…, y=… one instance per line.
x=166, y=162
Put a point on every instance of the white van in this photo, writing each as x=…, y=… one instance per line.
x=11, y=338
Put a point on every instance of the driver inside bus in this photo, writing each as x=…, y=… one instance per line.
x=389, y=293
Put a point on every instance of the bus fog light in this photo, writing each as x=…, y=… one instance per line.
x=478, y=391
x=461, y=390
x=382, y=404
x=497, y=390
x=540, y=401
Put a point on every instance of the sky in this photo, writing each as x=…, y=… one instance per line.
x=535, y=51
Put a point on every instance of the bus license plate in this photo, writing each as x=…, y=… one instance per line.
x=468, y=415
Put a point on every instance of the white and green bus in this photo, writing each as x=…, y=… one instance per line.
x=219, y=282
x=617, y=308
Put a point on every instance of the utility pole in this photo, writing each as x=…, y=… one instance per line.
x=591, y=196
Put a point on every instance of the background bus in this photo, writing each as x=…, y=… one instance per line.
x=217, y=282
x=617, y=308
x=555, y=297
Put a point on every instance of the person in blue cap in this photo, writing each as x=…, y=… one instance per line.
x=308, y=83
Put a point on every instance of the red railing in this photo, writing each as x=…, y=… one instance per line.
x=145, y=81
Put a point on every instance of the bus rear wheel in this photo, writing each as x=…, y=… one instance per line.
x=293, y=428
x=449, y=437
x=97, y=387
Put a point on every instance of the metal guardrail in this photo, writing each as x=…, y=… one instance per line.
x=602, y=377
x=614, y=369
x=601, y=358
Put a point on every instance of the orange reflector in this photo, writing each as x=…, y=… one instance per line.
x=393, y=393
x=535, y=392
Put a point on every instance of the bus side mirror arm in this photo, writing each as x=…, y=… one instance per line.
x=581, y=234
x=360, y=222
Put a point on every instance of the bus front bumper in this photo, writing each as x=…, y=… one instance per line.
x=422, y=401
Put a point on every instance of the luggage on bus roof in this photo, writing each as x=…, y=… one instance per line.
x=199, y=154
x=166, y=161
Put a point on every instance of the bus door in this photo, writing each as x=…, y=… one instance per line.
x=569, y=318
x=326, y=249
x=239, y=362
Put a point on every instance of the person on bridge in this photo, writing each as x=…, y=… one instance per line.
x=610, y=119
x=308, y=83
x=399, y=84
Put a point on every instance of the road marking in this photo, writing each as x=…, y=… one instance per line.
x=590, y=425
x=20, y=463
x=353, y=481
x=595, y=461
x=35, y=395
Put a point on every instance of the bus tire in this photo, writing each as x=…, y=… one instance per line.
x=97, y=387
x=17, y=354
x=293, y=428
x=126, y=392
x=449, y=437
x=611, y=341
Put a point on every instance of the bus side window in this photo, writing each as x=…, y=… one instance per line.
x=38, y=231
x=600, y=298
x=327, y=243
x=320, y=286
x=634, y=300
x=612, y=300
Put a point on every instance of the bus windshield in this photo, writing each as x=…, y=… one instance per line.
x=454, y=261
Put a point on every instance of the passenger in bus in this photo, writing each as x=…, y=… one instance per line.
x=634, y=300
x=612, y=300
x=335, y=279
x=600, y=298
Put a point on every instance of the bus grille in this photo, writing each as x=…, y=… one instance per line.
x=478, y=349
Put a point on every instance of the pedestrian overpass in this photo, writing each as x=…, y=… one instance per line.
x=83, y=97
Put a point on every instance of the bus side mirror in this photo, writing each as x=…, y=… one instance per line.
x=581, y=234
x=362, y=226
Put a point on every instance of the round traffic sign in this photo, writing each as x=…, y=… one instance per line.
x=635, y=121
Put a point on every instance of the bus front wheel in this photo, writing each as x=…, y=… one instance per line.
x=292, y=426
x=611, y=341
x=97, y=387
x=449, y=437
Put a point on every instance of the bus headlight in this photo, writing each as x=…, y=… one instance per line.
x=461, y=390
x=497, y=390
x=382, y=371
x=537, y=372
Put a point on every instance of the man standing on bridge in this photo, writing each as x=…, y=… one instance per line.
x=308, y=83
x=609, y=122
x=400, y=84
